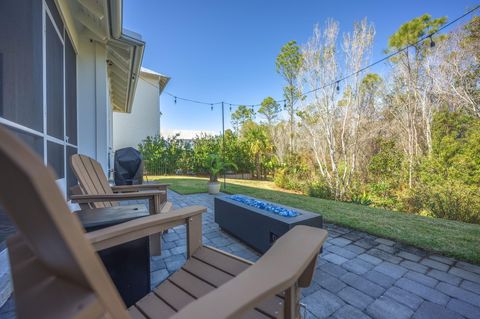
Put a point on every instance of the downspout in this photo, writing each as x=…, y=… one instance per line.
x=115, y=8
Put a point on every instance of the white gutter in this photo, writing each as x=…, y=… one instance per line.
x=115, y=8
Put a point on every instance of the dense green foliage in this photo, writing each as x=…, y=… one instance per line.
x=410, y=32
x=449, y=178
x=165, y=155
x=248, y=152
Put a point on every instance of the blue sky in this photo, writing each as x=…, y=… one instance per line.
x=219, y=50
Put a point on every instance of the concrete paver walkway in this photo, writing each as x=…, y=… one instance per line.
x=358, y=275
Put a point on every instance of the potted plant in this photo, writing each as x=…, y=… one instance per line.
x=215, y=166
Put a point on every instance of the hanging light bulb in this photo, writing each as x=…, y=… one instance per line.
x=253, y=110
x=211, y=107
x=338, y=86
x=284, y=104
x=230, y=107
x=432, y=43
x=175, y=100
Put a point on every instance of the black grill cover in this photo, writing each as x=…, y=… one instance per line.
x=128, y=167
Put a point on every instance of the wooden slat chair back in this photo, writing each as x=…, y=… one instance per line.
x=60, y=275
x=91, y=178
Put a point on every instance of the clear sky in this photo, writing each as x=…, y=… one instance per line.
x=225, y=50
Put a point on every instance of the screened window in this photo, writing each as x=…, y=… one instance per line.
x=21, y=65
x=34, y=141
x=56, y=158
x=54, y=69
x=56, y=16
x=70, y=92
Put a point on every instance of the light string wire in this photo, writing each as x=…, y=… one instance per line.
x=337, y=82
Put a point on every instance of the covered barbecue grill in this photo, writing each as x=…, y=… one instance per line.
x=128, y=167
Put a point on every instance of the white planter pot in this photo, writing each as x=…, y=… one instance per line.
x=214, y=188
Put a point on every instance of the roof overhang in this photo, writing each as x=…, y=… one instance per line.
x=161, y=79
x=104, y=20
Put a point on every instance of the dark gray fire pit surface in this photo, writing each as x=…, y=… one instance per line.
x=256, y=227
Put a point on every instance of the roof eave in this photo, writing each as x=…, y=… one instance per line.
x=124, y=37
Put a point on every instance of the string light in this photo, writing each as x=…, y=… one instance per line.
x=337, y=82
x=230, y=107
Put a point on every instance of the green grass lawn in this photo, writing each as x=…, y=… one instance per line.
x=450, y=238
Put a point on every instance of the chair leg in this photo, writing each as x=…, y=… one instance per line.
x=292, y=299
x=155, y=240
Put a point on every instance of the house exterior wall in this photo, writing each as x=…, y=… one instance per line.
x=86, y=104
x=130, y=129
x=93, y=101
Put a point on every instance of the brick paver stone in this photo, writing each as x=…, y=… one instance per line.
x=435, y=264
x=425, y=280
x=468, y=267
x=358, y=266
x=465, y=274
x=379, y=278
x=322, y=303
x=465, y=309
x=391, y=270
x=349, y=312
x=423, y=291
x=473, y=287
x=371, y=259
x=459, y=293
x=363, y=285
x=443, y=276
x=404, y=297
x=409, y=256
x=355, y=298
x=385, y=307
x=429, y=310
x=334, y=258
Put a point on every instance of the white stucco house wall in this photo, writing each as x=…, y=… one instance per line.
x=66, y=66
x=130, y=129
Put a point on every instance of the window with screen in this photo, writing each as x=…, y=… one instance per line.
x=70, y=92
x=54, y=70
x=21, y=70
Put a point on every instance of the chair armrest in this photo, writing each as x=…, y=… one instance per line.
x=136, y=188
x=141, y=227
x=92, y=198
x=278, y=269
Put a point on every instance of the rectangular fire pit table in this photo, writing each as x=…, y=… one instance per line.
x=256, y=227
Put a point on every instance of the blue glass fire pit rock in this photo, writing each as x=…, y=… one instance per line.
x=278, y=210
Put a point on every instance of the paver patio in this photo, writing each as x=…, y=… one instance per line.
x=358, y=275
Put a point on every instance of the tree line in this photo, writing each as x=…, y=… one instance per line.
x=407, y=139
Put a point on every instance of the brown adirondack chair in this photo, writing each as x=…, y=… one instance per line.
x=94, y=191
x=57, y=274
x=97, y=192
